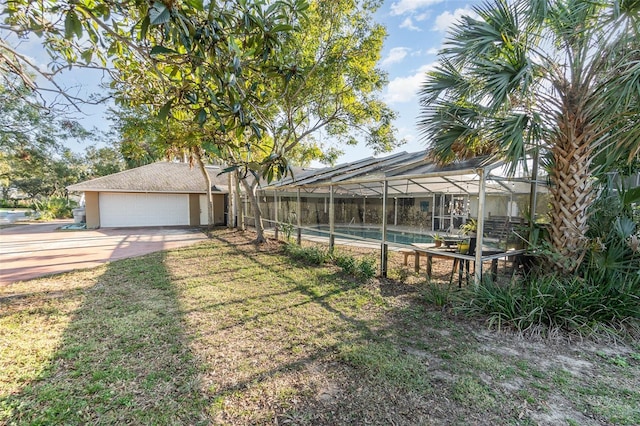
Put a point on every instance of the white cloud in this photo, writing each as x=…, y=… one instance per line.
x=408, y=24
x=433, y=51
x=407, y=134
x=405, y=89
x=404, y=6
x=397, y=54
x=422, y=17
x=446, y=20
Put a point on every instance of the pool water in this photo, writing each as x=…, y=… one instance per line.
x=399, y=237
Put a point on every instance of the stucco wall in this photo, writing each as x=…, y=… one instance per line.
x=92, y=209
x=219, y=207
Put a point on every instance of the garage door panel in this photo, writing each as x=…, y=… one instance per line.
x=129, y=210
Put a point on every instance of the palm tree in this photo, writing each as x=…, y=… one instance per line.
x=560, y=78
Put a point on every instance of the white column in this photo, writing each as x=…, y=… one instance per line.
x=298, y=217
x=332, y=220
x=275, y=214
x=480, y=225
x=433, y=214
x=395, y=211
x=364, y=210
x=383, y=243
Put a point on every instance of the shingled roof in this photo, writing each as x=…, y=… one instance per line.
x=157, y=177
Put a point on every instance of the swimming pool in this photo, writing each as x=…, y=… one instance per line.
x=393, y=236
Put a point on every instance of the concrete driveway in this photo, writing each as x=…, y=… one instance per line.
x=32, y=250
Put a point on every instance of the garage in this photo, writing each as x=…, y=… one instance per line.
x=143, y=209
x=158, y=194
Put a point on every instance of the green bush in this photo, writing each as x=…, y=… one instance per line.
x=347, y=262
x=603, y=293
x=363, y=269
x=54, y=208
x=366, y=268
x=401, y=274
x=311, y=255
x=287, y=230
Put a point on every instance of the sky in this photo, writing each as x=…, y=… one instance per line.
x=416, y=30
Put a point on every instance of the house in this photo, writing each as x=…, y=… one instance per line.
x=158, y=194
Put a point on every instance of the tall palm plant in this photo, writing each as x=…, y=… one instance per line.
x=560, y=78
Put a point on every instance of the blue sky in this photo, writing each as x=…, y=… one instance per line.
x=416, y=29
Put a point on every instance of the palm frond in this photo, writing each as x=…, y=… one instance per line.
x=444, y=80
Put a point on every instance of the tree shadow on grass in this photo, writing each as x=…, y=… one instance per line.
x=286, y=342
x=122, y=358
x=311, y=346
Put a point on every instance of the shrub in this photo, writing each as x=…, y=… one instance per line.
x=346, y=262
x=363, y=269
x=402, y=273
x=8, y=204
x=366, y=268
x=54, y=208
x=543, y=303
x=604, y=293
x=287, y=230
x=311, y=255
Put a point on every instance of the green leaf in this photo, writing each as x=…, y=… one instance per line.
x=233, y=46
x=72, y=25
x=281, y=28
x=161, y=50
x=144, y=27
x=228, y=169
x=164, y=111
x=256, y=130
x=632, y=195
x=196, y=4
x=159, y=14
x=87, y=55
x=202, y=116
x=211, y=148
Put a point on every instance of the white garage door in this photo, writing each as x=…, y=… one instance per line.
x=122, y=210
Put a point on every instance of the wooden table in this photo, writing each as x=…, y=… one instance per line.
x=463, y=260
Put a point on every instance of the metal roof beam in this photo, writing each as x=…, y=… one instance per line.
x=456, y=185
x=505, y=186
x=421, y=186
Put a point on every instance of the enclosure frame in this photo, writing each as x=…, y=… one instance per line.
x=409, y=175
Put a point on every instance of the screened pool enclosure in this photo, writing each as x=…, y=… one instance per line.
x=403, y=199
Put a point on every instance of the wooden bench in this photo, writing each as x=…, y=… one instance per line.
x=416, y=255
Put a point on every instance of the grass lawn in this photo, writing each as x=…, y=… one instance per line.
x=227, y=333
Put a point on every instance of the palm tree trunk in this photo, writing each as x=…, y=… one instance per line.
x=572, y=193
